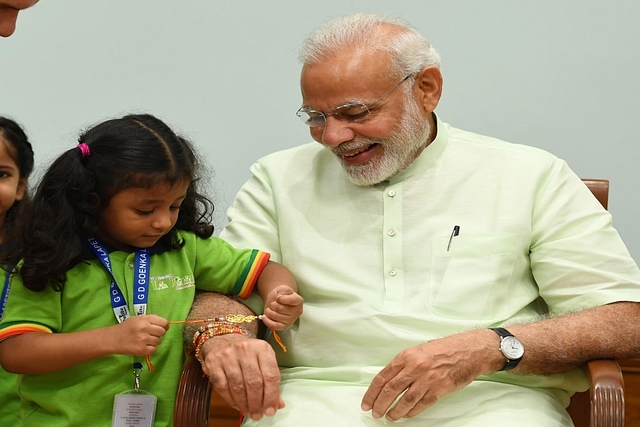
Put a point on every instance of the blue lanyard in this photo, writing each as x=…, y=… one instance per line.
x=141, y=293
x=5, y=291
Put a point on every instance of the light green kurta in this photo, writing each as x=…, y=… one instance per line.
x=373, y=267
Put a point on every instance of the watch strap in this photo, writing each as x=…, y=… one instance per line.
x=511, y=363
x=502, y=332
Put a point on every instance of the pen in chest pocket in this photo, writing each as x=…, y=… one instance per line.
x=454, y=233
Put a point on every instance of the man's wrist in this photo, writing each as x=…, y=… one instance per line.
x=216, y=329
x=511, y=347
x=221, y=341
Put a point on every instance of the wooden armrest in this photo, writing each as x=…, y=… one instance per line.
x=607, y=393
x=194, y=396
x=193, y=399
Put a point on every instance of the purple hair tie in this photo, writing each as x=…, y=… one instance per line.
x=84, y=149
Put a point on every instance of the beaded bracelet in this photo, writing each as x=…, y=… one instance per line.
x=202, y=330
x=231, y=321
x=212, y=330
x=215, y=326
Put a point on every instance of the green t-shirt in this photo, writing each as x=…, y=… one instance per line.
x=9, y=399
x=9, y=416
x=83, y=395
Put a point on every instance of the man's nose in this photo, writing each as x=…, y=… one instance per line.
x=335, y=132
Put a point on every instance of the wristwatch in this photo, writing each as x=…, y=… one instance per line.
x=511, y=347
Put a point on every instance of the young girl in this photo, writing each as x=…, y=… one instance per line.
x=16, y=163
x=115, y=243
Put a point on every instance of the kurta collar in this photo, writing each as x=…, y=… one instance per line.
x=428, y=156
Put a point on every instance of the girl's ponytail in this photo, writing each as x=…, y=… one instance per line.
x=133, y=151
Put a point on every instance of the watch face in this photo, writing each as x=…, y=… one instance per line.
x=512, y=348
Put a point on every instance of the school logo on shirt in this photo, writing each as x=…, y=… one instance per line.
x=175, y=282
x=159, y=283
x=184, y=282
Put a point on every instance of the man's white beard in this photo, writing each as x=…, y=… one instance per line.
x=399, y=150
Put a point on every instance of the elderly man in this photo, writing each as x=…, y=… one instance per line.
x=9, y=14
x=449, y=278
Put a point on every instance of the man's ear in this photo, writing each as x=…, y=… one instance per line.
x=428, y=88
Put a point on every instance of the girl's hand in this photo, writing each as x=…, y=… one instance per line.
x=281, y=308
x=140, y=335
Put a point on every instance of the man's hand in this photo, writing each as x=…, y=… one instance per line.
x=245, y=373
x=425, y=373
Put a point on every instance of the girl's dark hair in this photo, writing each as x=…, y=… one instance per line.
x=135, y=151
x=21, y=152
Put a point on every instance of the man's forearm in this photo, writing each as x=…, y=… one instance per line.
x=564, y=342
x=207, y=305
x=243, y=371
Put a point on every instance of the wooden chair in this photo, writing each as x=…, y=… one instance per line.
x=603, y=404
x=194, y=396
x=600, y=189
x=600, y=406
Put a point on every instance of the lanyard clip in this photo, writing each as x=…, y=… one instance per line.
x=137, y=368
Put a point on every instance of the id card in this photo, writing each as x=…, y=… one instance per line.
x=134, y=409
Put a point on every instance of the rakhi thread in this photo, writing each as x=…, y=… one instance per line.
x=150, y=366
x=231, y=318
x=235, y=319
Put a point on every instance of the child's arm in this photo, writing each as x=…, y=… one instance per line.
x=277, y=287
x=35, y=353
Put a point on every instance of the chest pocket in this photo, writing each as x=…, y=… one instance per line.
x=472, y=279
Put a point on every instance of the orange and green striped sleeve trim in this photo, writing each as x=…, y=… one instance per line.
x=15, y=329
x=247, y=280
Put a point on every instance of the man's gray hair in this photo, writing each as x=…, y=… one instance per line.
x=410, y=51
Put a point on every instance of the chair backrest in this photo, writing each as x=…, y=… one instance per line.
x=604, y=375
x=600, y=189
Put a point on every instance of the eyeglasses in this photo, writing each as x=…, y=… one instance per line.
x=351, y=112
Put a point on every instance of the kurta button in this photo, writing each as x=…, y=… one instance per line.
x=392, y=272
x=391, y=193
x=130, y=265
x=391, y=232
